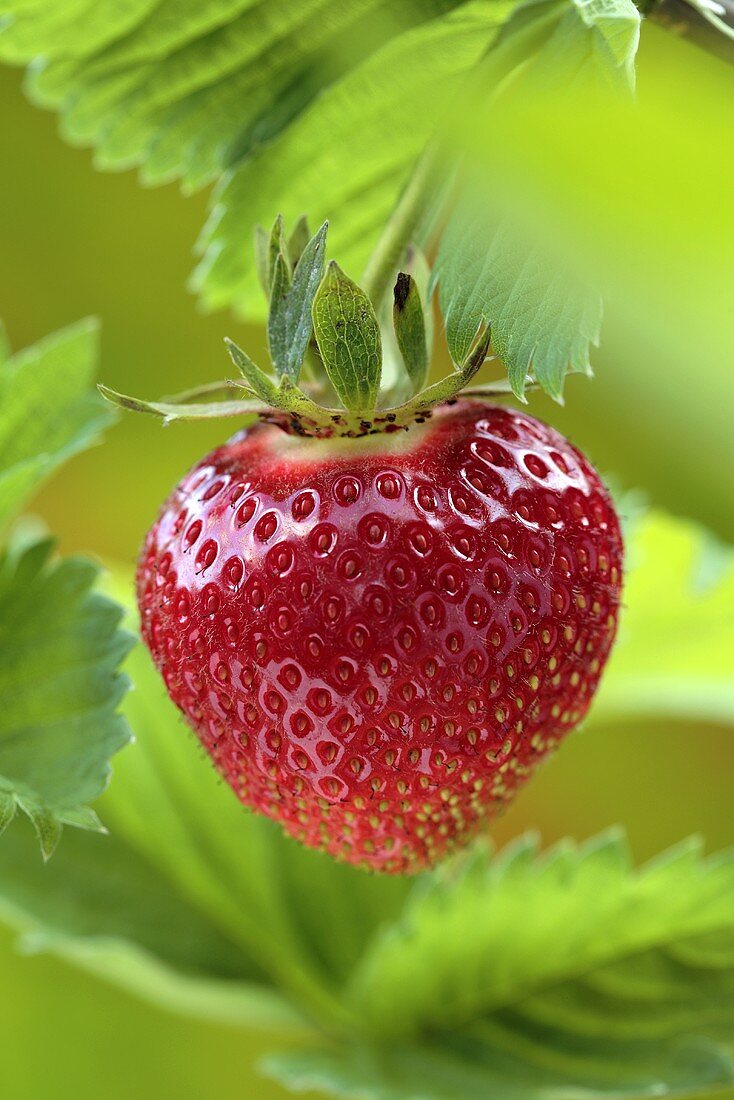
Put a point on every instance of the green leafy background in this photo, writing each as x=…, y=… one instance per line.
x=655, y=418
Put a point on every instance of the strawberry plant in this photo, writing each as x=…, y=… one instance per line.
x=385, y=600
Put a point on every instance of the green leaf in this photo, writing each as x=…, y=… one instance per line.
x=673, y=654
x=47, y=828
x=348, y=155
x=59, y=690
x=542, y=319
x=410, y=329
x=541, y=977
x=478, y=1067
x=552, y=44
x=102, y=906
x=188, y=92
x=8, y=807
x=544, y=316
x=48, y=411
x=289, y=320
x=606, y=34
x=314, y=106
x=348, y=336
x=571, y=912
x=298, y=111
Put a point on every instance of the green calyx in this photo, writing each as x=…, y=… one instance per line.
x=335, y=371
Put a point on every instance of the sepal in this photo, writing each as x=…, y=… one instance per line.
x=267, y=248
x=169, y=411
x=410, y=329
x=348, y=337
x=298, y=239
x=291, y=300
x=322, y=325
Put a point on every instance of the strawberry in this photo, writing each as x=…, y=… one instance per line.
x=378, y=638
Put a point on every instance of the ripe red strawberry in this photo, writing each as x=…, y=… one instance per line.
x=376, y=634
x=377, y=643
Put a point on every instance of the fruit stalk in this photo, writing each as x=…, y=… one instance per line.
x=414, y=203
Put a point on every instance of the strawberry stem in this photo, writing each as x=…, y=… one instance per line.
x=387, y=257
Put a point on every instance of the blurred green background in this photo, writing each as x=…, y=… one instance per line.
x=75, y=242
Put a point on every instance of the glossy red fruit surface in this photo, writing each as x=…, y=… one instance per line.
x=377, y=641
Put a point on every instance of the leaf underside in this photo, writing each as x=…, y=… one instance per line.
x=544, y=316
x=103, y=906
x=293, y=105
x=348, y=156
x=542, y=320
